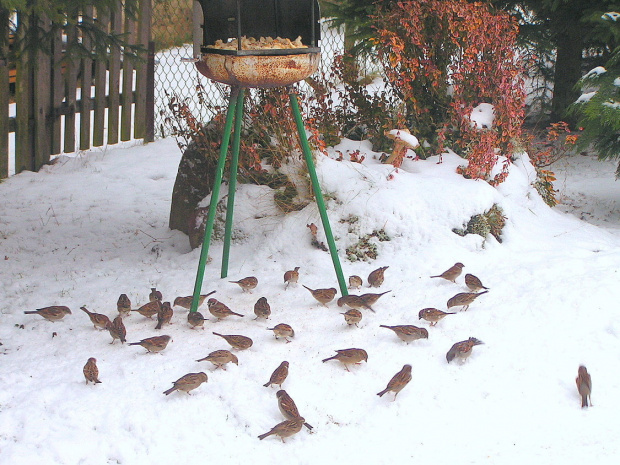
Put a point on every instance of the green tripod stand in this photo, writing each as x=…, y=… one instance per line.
x=234, y=114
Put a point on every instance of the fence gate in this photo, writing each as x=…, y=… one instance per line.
x=54, y=105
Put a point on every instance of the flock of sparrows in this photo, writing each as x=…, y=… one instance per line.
x=356, y=303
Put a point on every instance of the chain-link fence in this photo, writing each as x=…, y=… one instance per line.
x=176, y=77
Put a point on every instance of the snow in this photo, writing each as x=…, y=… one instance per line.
x=409, y=139
x=93, y=226
x=597, y=71
x=586, y=97
x=482, y=116
x=612, y=104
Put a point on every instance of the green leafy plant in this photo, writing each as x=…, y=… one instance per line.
x=490, y=222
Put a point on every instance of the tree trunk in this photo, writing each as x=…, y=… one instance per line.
x=567, y=70
x=193, y=183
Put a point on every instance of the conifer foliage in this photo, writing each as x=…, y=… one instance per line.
x=599, y=107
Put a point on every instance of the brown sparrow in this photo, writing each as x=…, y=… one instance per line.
x=462, y=350
x=149, y=309
x=187, y=383
x=186, y=302
x=371, y=299
x=288, y=408
x=473, y=283
x=282, y=330
x=285, y=429
x=352, y=317
x=246, y=284
x=355, y=282
x=375, y=278
x=91, y=372
x=398, y=381
x=164, y=315
x=123, y=305
x=278, y=376
x=323, y=296
x=291, y=277
x=54, y=313
x=433, y=315
x=219, y=310
x=408, y=333
x=451, y=273
x=220, y=358
x=262, y=309
x=584, y=385
x=354, y=301
x=347, y=356
x=237, y=341
x=97, y=319
x=195, y=320
x=153, y=344
x=117, y=330
x=463, y=299
x=155, y=295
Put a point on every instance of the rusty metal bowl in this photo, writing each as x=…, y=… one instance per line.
x=259, y=70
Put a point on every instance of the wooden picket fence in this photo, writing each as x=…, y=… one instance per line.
x=60, y=105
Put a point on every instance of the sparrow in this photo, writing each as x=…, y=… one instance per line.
x=451, y=273
x=291, y=277
x=220, y=358
x=149, y=309
x=408, y=333
x=123, y=305
x=164, y=315
x=323, y=296
x=187, y=383
x=195, y=319
x=262, y=309
x=236, y=341
x=186, y=302
x=398, y=381
x=375, y=278
x=153, y=344
x=473, y=283
x=288, y=408
x=371, y=299
x=97, y=319
x=285, y=429
x=282, y=330
x=91, y=372
x=246, y=284
x=584, y=385
x=219, y=310
x=463, y=299
x=53, y=313
x=278, y=376
x=352, y=317
x=433, y=315
x=462, y=350
x=355, y=282
x=353, y=301
x=117, y=330
x=155, y=295
x=347, y=356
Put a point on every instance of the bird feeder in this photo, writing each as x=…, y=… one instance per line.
x=259, y=43
x=256, y=44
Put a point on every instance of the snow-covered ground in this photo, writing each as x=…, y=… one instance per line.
x=91, y=227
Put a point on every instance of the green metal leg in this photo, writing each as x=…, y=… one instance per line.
x=215, y=193
x=232, y=182
x=317, y=191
